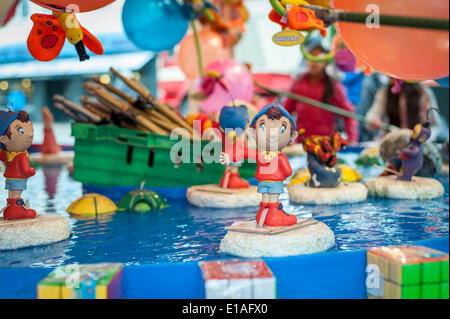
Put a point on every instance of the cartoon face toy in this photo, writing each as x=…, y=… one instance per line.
x=273, y=129
x=70, y=5
x=18, y=136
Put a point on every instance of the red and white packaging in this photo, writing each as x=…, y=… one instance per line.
x=238, y=279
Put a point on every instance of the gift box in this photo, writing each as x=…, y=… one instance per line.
x=407, y=272
x=97, y=281
x=237, y=279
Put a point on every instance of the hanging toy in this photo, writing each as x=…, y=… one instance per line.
x=49, y=32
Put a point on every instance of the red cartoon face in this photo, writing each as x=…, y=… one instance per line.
x=83, y=5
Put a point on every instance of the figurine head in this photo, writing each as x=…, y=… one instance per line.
x=273, y=128
x=16, y=131
x=234, y=118
x=422, y=132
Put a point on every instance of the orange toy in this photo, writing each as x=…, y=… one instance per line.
x=300, y=19
x=82, y=5
x=49, y=32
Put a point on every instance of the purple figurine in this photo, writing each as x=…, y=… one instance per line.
x=412, y=156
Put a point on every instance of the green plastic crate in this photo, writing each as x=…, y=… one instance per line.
x=113, y=156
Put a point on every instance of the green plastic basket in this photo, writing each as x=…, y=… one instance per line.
x=112, y=156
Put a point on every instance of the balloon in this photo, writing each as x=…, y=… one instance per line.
x=237, y=78
x=155, y=25
x=443, y=82
x=83, y=5
x=212, y=46
x=404, y=53
x=17, y=100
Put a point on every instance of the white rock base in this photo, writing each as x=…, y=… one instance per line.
x=39, y=231
x=314, y=238
x=63, y=157
x=214, y=196
x=343, y=194
x=418, y=188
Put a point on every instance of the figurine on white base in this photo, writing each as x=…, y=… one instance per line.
x=233, y=191
x=406, y=185
x=275, y=232
x=325, y=185
x=19, y=226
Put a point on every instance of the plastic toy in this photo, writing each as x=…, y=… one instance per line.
x=49, y=32
x=322, y=158
x=349, y=175
x=233, y=191
x=272, y=128
x=296, y=17
x=324, y=182
x=16, y=136
x=97, y=281
x=7, y=10
x=407, y=272
x=365, y=42
x=92, y=205
x=141, y=200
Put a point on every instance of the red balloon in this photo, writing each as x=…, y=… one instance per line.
x=404, y=53
x=83, y=5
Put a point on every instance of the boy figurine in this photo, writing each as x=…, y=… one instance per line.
x=273, y=129
x=16, y=136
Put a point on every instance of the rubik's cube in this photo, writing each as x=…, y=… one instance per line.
x=97, y=281
x=407, y=272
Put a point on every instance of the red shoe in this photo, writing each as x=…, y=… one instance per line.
x=16, y=210
x=235, y=181
x=262, y=206
x=278, y=217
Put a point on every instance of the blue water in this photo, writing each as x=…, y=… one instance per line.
x=183, y=233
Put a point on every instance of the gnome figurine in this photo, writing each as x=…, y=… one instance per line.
x=16, y=137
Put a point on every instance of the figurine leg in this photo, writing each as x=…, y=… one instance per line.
x=16, y=208
x=234, y=179
x=278, y=217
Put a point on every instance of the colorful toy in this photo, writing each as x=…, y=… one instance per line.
x=410, y=159
x=272, y=128
x=322, y=158
x=155, y=25
x=7, y=10
x=367, y=42
x=349, y=175
x=49, y=32
x=407, y=272
x=16, y=137
x=296, y=17
x=97, y=281
x=92, y=205
x=141, y=200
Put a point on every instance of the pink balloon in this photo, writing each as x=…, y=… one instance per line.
x=237, y=78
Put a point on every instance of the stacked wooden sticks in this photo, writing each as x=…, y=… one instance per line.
x=106, y=104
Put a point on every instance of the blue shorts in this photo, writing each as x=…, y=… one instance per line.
x=270, y=187
x=16, y=184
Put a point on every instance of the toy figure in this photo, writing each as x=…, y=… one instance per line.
x=47, y=37
x=49, y=146
x=322, y=158
x=16, y=136
x=234, y=119
x=272, y=128
x=410, y=159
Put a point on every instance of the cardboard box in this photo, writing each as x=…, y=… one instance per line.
x=238, y=279
x=408, y=272
x=97, y=281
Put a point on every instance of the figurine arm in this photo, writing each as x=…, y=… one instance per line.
x=285, y=166
x=3, y=156
x=25, y=166
x=409, y=152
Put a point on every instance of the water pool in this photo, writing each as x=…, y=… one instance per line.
x=184, y=233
